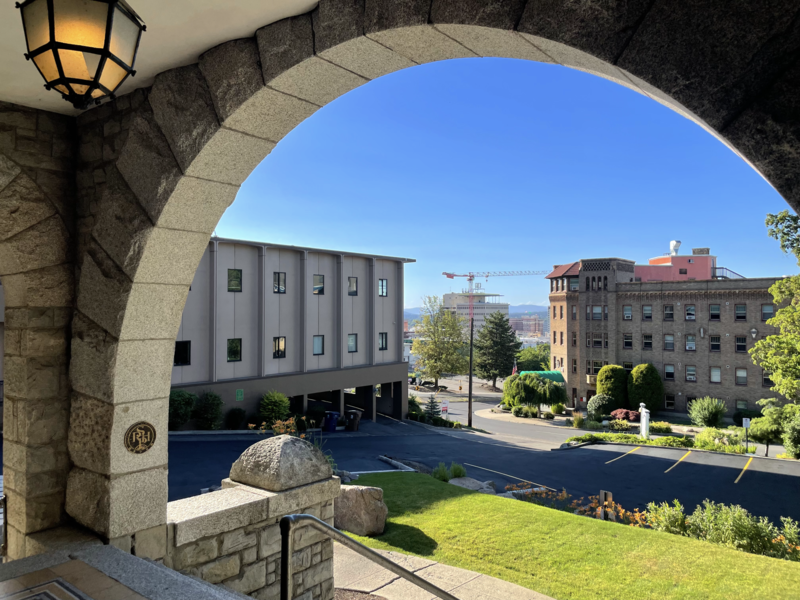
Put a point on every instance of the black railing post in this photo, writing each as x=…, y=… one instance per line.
x=287, y=549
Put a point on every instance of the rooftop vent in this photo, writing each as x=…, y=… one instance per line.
x=673, y=247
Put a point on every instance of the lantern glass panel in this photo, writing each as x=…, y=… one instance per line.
x=37, y=27
x=79, y=65
x=124, y=36
x=81, y=22
x=112, y=75
x=47, y=65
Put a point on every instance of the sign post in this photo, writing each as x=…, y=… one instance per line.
x=746, y=425
x=446, y=408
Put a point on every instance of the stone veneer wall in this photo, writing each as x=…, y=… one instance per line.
x=232, y=537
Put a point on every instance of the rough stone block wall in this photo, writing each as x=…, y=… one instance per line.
x=37, y=154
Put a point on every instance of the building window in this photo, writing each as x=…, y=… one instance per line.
x=554, y=338
x=767, y=311
x=319, y=285
x=740, y=312
x=561, y=337
x=574, y=338
x=234, y=280
x=627, y=313
x=690, y=312
x=627, y=366
x=574, y=365
x=627, y=341
x=689, y=401
x=669, y=312
x=594, y=283
x=713, y=312
x=691, y=373
x=669, y=342
x=598, y=340
x=574, y=313
x=235, y=350
x=278, y=283
x=352, y=342
x=716, y=375
x=383, y=287
x=588, y=312
x=574, y=284
x=669, y=402
x=605, y=283
x=560, y=312
x=183, y=354
x=715, y=344
x=741, y=405
x=383, y=341
x=741, y=376
x=588, y=340
x=647, y=341
x=279, y=347
x=352, y=286
x=554, y=312
x=682, y=272
x=605, y=340
x=741, y=343
x=690, y=343
x=588, y=367
x=605, y=313
x=669, y=372
x=597, y=313
x=587, y=284
x=766, y=380
x=596, y=366
x=319, y=345
x=647, y=313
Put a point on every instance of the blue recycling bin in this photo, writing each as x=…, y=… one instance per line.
x=331, y=418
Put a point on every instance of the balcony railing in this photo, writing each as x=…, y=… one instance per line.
x=725, y=273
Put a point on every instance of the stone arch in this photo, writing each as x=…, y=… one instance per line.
x=201, y=129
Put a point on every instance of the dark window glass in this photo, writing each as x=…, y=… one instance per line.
x=383, y=287
x=741, y=376
x=767, y=311
x=713, y=312
x=627, y=313
x=765, y=379
x=235, y=350
x=647, y=341
x=669, y=312
x=597, y=341
x=597, y=313
x=682, y=271
x=669, y=402
x=278, y=283
x=574, y=338
x=574, y=365
x=352, y=342
x=647, y=313
x=741, y=312
x=574, y=312
x=690, y=342
x=669, y=342
x=279, y=347
x=715, y=346
x=627, y=341
x=627, y=366
x=691, y=373
x=690, y=312
x=352, y=286
x=741, y=343
x=319, y=285
x=383, y=341
x=234, y=280
x=183, y=354
x=605, y=313
x=319, y=345
x=669, y=372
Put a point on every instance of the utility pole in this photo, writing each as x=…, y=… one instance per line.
x=471, y=335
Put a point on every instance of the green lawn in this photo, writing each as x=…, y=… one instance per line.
x=563, y=555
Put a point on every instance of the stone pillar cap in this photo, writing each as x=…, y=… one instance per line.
x=281, y=463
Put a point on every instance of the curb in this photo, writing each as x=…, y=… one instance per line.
x=397, y=465
x=604, y=443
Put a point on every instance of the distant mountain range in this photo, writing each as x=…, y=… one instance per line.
x=412, y=314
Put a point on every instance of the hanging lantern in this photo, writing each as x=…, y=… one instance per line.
x=84, y=49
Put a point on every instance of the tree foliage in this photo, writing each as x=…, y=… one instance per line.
x=274, y=407
x=208, y=411
x=645, y=386
x=181, y=404
x=612, y=380
x=535, y=358
x=772, y=427
x=496, y=347
x=532, y=390
x=441, y=342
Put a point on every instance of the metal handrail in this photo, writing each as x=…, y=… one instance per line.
x=287, y=526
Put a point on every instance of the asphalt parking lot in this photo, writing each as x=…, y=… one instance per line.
x=634, y=475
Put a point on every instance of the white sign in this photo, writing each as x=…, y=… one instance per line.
x=445, y=406
x=746, y=423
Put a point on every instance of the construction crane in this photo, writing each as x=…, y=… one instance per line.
x=470, y=289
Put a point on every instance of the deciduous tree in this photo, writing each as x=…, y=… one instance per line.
x=441, y=342
x=536, y=358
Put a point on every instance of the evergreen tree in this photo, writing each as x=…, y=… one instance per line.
x=496, y=347
x=612, y=380
x=432, y=409
x=645, y=386
x=441, y=342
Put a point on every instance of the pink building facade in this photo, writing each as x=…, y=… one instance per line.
x=700, y=265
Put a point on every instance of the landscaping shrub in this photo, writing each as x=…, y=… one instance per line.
x=557, y=408
x=578, y=420
x=549, y=416
x=457, y=470
x=612, y=380
x=791, y=438
x=568, y=422
x=628, y=415
x=720, y=441
x=672, y=442
x=440, y=472
x=432, y=408
x=619, y=425
x=593, y=426
x=530, y=412
x=207, y=412
x=599, y=405
x=181, y=404
x=707, y=412
x=414, y=405
x=274, y=407
x=509, y=391
x=745, y=414
x=663, y=517
x=234, y=418
x=632, y=438
x=660, y=427
x=517, y=411
x=645, y=386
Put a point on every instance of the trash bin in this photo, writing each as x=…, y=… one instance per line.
x=331, y=418
x=352, y=419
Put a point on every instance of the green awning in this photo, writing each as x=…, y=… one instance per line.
x=551, y=375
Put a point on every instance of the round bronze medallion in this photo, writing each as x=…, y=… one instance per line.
x=140, y=437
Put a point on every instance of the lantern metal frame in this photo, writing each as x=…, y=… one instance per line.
x=83, y=101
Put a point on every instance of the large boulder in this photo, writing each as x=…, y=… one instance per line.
x=281, y=463
x=468, y=483
x=361, y=510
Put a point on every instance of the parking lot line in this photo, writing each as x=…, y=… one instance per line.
x=679, y=460
x=511, y=476
x=743, y=470
x=624, y=455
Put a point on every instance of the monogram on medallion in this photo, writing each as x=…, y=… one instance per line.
x=140, y=437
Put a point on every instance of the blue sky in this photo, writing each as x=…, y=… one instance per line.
x=495, y=164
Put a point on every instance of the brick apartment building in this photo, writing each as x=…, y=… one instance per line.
x=694, y=321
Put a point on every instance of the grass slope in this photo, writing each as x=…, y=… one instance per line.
x=563, y=555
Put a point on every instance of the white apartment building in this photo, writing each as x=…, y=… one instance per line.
x=306, y=322
x=483, y=305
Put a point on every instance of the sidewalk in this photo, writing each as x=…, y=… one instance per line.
x=351, y=571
